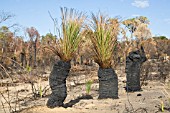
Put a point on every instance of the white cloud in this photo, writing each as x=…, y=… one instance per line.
x=140, y=3
x=167, y=21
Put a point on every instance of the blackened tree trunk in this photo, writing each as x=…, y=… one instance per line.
x=30, y=60
x=30, y=54
x=35, y=55
x=133, y=69
x=14, y=59
x=22, y=54
x=81, y=60
x=108, y=83
x=57, y=81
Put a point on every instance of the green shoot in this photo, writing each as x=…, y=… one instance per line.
x=88, y=86
x=28, y=68
x=162, y=106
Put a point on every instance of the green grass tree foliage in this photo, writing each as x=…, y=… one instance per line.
x=70, y=34
x=104, y=39
x=104, y=33
x=69, y=39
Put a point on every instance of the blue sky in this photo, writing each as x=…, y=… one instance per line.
x=35, y=12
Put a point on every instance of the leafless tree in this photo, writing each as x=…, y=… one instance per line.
x=34, y=36
x=5, y=16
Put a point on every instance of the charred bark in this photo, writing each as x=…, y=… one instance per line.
x=35, y=53
x=57, y=81
x=108, y=83
x=22, y=58
x=133, y=69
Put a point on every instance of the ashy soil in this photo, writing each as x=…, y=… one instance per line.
x=149, y=100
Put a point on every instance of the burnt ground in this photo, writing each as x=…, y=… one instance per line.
x=19, y=96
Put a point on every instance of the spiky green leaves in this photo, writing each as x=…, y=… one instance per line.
x=104, y=38
x=72, y=24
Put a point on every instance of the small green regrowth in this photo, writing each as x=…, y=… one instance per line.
x=28, y=68
x=162, y=106
x=88, y=86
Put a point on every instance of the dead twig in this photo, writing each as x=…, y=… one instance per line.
x=3, y=106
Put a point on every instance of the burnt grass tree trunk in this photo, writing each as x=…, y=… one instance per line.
x=57, y=81
x=133, y=69
x=108, y=83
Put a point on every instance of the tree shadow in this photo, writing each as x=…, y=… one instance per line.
x=73, y=102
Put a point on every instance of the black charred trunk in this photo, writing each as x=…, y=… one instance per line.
x=57, y=81
x=108, y=83
x=22, y=58
x=81, y=60
x=133, y=69
x=35, y=55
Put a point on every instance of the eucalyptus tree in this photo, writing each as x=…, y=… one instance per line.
x=34, y=37
x=5, y=39
x=48, y=39
x=131, y=25
x=66, y=46
x=47, y=56
x=142, y=31
x=138, y=27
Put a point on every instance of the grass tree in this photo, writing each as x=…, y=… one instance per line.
x=66, y=47
x=104, y=33
x=139, y=28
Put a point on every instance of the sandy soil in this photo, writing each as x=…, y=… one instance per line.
x=147, y=101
